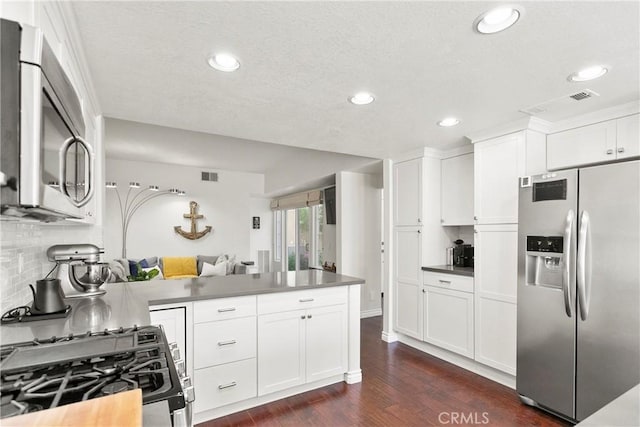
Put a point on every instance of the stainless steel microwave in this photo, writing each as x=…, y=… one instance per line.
x=47, y=166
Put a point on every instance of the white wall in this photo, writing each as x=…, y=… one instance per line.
x=261, y=239
x=358, y=231
x=226, y=206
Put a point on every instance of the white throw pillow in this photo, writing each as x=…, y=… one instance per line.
x=220, y=269
x=159, y=276
x=231, y=263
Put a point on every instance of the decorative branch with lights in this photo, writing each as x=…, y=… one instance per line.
x=135, y=198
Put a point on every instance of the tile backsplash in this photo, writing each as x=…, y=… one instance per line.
x=23, y=259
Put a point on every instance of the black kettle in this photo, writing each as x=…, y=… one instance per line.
x=47, y=297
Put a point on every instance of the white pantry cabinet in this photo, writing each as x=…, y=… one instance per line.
x=448, y=312
x=408, y=280
x=597, y=143
x=407, y=191
x=495, y=280
x=457, y=190
x=301, y=346
x=498, y=163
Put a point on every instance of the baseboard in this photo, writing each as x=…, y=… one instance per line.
x=389, y=337
x=371, y=313
x=461, y=361
x=353, y=377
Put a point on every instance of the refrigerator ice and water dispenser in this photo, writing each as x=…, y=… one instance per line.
x=544, y=261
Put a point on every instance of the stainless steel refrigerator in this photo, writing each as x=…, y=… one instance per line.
x=579, y=288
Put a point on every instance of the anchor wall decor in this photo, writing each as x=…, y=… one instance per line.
x=193, y=216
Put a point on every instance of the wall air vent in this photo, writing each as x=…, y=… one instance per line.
x=210, y=176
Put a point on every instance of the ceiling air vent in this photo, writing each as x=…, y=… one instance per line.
x=210, y=176
x=561, y=107
x=583, y=95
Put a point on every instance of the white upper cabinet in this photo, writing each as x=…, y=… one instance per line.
x=597, y=143
x=457, y=190
x=628, y=133
x=498, y=164
x=407, y=190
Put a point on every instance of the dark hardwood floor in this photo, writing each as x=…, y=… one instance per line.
x=401, y=386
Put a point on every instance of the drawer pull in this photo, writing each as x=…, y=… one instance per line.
x=223, y=386
x=306, y=299
x=309, y=316
x=224, y=310
x=223, y=343
x=447, y=282
x=303, y=317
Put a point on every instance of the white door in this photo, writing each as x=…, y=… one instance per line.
x=281, y=351
x=496, y=273
x=582, y=146
x=457, y=190
x=498, y=163
x=408, y=281
x=628, y=141
x=173, y=321
x=448, y=319
x=326, y=342
x=407, y=190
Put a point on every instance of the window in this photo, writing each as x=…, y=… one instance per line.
x=298, y=234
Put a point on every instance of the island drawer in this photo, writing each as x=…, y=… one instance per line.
x=448, y=281
x=225, y=384
x=224, y=308
x=224, y=341
x=300, y=300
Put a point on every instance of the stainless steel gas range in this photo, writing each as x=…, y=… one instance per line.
x=43, y=374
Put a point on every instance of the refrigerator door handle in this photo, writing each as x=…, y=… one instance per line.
x=584, y=265
x=566, y=280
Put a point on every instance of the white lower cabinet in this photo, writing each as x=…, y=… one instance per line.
x=225, y=351
x=225, y=384
x=448, y=319
x=176, y=321
x=301, y=346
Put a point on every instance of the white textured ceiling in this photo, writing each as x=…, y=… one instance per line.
x=301, y=60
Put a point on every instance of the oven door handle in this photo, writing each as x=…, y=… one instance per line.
x=64, y=150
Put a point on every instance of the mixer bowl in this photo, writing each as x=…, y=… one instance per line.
x=89, y=276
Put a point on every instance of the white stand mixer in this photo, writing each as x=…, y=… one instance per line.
x=79, y=269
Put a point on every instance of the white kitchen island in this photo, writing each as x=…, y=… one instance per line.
x=245, y=339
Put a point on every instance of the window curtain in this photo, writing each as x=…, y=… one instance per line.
x=298, y=200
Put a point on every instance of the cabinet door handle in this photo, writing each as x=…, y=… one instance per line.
x=223, y=386
x=419, y=220
x=223, y=343
x=224, y=310
x=446, y=282
x=620, y=149
x=609, y=152
x=303, y=317
x=308, y=316
x=424, y=291
x=419, y=231
x=305, y=299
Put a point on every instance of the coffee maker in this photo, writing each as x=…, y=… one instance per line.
x=79, y=269
x=462, y=254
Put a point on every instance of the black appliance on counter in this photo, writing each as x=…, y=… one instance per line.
x=43, y=374
x=463, y=255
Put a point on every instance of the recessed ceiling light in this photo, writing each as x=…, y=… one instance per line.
x=588, y=74
x=224, y=62
x=362, y=98
x=448, y=122
x=497, y=20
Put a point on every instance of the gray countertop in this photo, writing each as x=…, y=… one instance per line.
x=127, y=304
x=623, y=411
x=450, y=269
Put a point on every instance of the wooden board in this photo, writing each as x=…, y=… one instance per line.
x=122, y=410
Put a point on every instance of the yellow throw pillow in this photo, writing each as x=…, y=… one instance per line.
x=179, y=266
